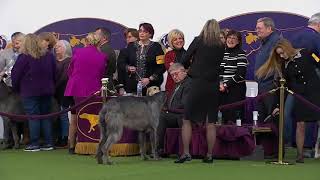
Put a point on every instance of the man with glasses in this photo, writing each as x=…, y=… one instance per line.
x=172, y=116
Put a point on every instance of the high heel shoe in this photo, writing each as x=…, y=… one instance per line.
x=300, y=159
x=208, y=159
x=183, y=158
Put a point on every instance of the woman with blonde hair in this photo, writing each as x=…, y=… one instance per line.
x=301, y=72
x=33, y=77
x=85, y=73
x=206, y=52
x=176, y=43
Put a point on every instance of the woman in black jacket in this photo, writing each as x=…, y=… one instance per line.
x=301, y=72
x=142, y=61
x=206, y=52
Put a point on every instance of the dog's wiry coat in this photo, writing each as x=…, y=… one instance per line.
x=138, y=113
x=10, y=103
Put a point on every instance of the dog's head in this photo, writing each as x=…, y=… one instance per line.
x=152, y=90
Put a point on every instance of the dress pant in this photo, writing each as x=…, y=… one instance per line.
x=167, y=120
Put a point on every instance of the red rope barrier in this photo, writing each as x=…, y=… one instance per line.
x=240, y=103
x=306, y=102
x=35, y=117
x=232, y=105
x=17, y=117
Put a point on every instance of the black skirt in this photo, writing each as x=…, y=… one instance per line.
x=202, y=102
x=302, y=112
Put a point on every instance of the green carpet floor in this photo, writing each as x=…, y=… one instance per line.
x=58, y=165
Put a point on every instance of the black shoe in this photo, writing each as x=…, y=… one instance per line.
x=71, y=150
x=183, y=158
x=208, y=160
x=300, y=158
x=62, y=142
x=32, y=148
x=47, y=147
x=162, y=154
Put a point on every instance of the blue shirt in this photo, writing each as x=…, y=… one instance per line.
x=265, y=84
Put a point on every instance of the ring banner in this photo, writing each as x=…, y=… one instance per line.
x=88, y=133
x=75, y=30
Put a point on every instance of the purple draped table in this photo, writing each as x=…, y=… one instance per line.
x=231, y=141
x=88, y=133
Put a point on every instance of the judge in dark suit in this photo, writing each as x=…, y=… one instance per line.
x=172, y=116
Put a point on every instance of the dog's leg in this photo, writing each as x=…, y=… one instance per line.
x=112, y=138
x=14, y=131
x=6, y=133
x=153, y=141
x=142, y=145
x=100, y=147
x=26, y=133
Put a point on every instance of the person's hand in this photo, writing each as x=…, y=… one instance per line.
x=170, y=63
x=222, y=88
x=145, y=81
x=132, y=69
x=275, y=112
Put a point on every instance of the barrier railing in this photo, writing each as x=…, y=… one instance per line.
x=104, y=91
x=18, y=117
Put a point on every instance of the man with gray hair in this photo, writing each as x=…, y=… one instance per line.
x=172, y=117
x=266, y=32
x=9, y=56
x=309, y=37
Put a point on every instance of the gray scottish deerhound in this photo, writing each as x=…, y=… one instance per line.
x=138, y=113
x=10, y=102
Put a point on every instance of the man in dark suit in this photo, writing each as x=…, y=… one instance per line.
x=172, y=116
x=104, y=35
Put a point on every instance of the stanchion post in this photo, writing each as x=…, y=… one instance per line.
x=104, y=89
x=281, y=122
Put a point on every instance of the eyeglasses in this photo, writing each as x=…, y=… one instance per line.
x=173, y=74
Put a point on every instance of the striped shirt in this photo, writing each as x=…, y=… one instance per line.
x=233, y=67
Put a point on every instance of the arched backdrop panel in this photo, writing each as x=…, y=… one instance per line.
x=287, y=24
x=74, y=30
